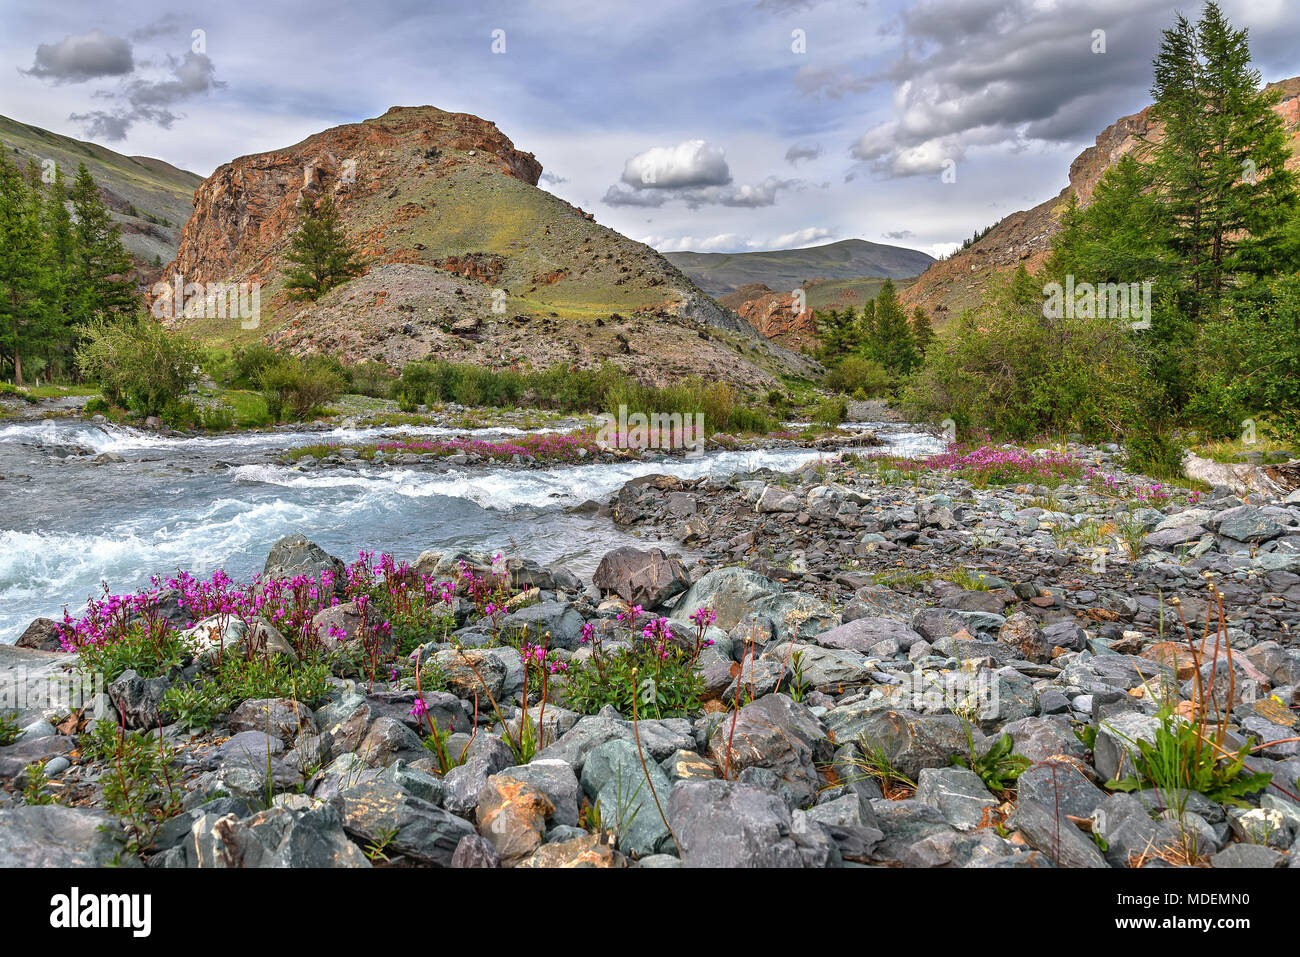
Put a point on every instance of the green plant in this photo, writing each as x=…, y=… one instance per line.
x=193, y=707
x=831, y=411
x=138, y=786
x=35, y=783
x=874, y=760
x=674, y=689
x=998, y=767
x=9, y=729
x=1153, y=453
x=138, y=363
x=295, y=388
x=376, y=850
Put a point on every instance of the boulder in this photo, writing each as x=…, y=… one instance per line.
x=646, y=578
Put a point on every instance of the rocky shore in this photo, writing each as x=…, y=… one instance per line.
x=967, y=663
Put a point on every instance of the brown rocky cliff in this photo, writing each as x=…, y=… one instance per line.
x=772, y=314
x=953, y=285
x=245, y=211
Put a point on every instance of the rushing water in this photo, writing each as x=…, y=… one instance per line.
x=198, y=504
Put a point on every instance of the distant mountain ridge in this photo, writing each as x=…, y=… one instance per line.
x=149, y=198
x=467, y=259
x=719, y=274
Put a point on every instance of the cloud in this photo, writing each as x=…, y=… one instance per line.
x=150, y=100
x=749, y=196
x=166, y=25
x=686, y=165
x=831, y=81
x=1004, y=74
x=900, y=234
x=551, y=179
x=811, y=236
x=721, y=242
x=694, y=173
x=87, y=56
x=802, y=151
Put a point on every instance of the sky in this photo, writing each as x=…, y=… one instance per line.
x=709, y=125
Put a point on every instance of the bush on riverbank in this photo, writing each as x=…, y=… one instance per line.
x=296, y=388
x=139, y=364
x=606, y=389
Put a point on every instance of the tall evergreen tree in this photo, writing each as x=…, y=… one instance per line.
x=1219, y=169
x=922, y=331
x=100, y=279
x=892, y=345
x=320, y=249
x=23, y=316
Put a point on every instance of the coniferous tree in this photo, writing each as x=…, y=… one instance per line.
x=893, y=346
x=320, y=249
x=1219, y=169
x=922, y=331
x=23, y=316
x=99, y=279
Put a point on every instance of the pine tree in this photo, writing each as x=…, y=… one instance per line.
x=23, y=317
x=99, y=278
x=321, y=250
x=60, y=255
x=922, y=331
x=893, y=345
x=1219, y=170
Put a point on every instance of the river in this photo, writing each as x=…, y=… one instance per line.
x=199, y=504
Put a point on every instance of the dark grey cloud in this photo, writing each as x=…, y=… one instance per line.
x=802, y=151
x=552, y=179
x=151, y=100
x=86, y=56
x=165, y=26
x=900, y=234
x=1004, y=74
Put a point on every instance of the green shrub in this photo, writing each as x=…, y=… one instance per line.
x=855, y=375
x=1008, y=370
x=831, y=411
x=1153, y=453
x=295, y=388
x=9, y=729
x=248, y=362
x=678, y=690
x=371, y=378
x=138, y=363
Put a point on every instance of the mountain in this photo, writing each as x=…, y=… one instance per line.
x=468, y=259
x=953, y=285
x=775, y=315
x=151, y=199
x=786, y=269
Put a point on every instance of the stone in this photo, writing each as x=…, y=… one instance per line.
x=295, y=555
x=863, y=634
x=586, y=851
x=1249, y=855
x=1023, y=634
x=958, y=793
x=556, y=781
x=614, y=778
x=730, y=824
x=730, y=592
x=475, y=851
x=1060, y=784
x=487, y=755
x=779, y=734
x=51, y=835
x=777, y=500
x=282, y=718
x=820, y=667
x=913, y=741
x=512, y=816
x=41, y=635
x=904, y=824
x=1051, y=833
x=1116, y=747
x=378, y=813
x=386, y=740
x=277, y=837
x=647, y=578
x=557, y=619
x=138, y=700
x=472, y=673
